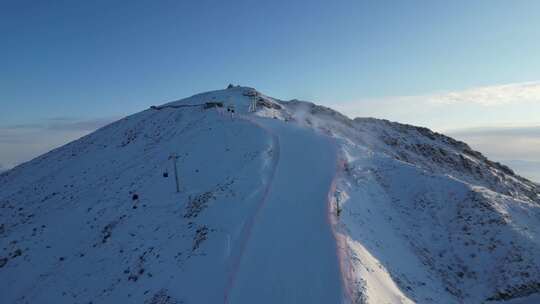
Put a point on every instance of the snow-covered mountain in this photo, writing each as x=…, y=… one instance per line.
x=278, y=202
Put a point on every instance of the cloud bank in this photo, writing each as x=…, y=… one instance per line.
x=22, y=142
x=519, y=148
x=63, y=124
x=516, y=104
x=492, y=95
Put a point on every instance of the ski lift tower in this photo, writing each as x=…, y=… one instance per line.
x=174, y=158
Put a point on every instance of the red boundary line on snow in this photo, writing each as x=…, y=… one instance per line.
x=246, y=231
x=340, y=239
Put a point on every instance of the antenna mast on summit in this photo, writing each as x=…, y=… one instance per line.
x=252, y=104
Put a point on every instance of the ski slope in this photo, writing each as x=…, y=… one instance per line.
x=290, y=256
x=424, y=218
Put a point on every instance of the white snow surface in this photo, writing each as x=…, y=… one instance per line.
x=422, y=217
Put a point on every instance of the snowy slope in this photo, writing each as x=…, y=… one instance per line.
x=427, y=220
x=423, y=218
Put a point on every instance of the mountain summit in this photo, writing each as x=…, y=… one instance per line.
x=232, y=196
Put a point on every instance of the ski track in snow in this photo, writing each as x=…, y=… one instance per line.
x=248, y=228
x=320, y=284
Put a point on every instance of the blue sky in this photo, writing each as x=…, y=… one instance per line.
x=89, y=61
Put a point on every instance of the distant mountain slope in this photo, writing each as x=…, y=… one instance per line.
x=529, y=169
x=280, y=201
x=428, y=220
